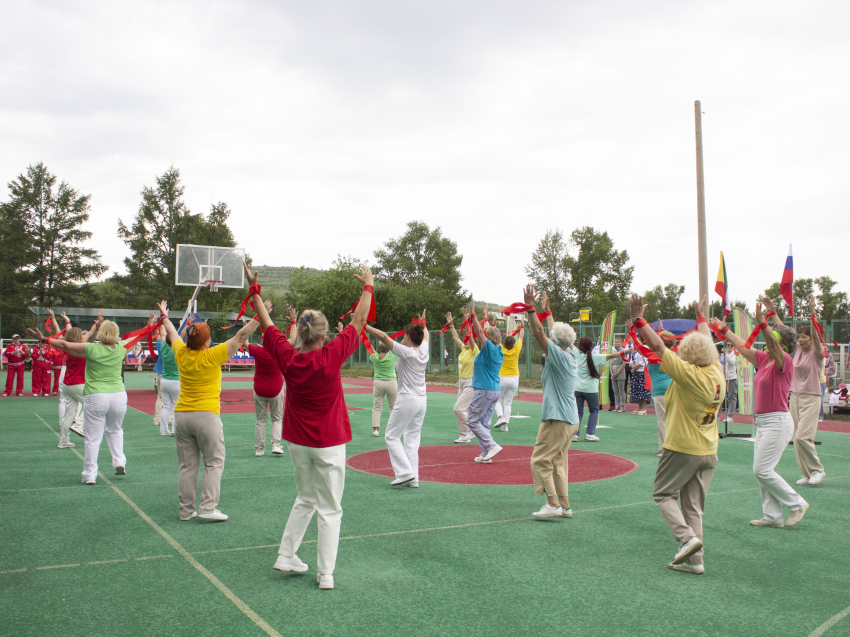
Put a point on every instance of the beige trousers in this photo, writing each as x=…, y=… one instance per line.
x=196, y=433
x=805, y=409
x=549, y=462
x=381, y=388
x=157, y=409
x=686, y=478
x=658, y=402
x=461, y=408
x=275, y=408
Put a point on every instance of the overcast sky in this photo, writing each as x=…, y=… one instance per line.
x=327, y=126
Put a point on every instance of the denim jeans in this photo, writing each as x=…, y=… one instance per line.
x=592, y=399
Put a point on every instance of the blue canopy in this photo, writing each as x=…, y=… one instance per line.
x=675, y=326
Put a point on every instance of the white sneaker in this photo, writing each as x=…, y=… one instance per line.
x=687, y=549
x=77, y=430
x=576, y=438
x=499, y=423
x=797, y=515
x=694, y=569
x=290, y=564
x=548, y=511
x=88, y=481
x=413, y=484
x=376, y=433
x=483, y=459
x=276, y=450
x=591, y=438
x=505, y=428
x=215, y=516
x=770, y=523
x=803, y=481
x=65, y=445
x=469, y=437
x=489, y=455
x=325, y=582
x=816, y=477
x=658, y=455
x=461, y=439
x=403, y=479
x=260, y=451
x=567, y=513
x=194, y=515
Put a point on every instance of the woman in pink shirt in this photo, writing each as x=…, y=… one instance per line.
x=806, y=398
x=771, y=385
x=315, y=424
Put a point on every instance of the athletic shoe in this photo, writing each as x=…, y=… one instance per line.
x=65, y=445
x=499, y=423
x=21, y=395
x=548, y=511
x=290, y=564
x=694, y=569
x=166, y=434
x=591, y=438
x=194, y=515
x=483, y=459
x=576, y=438
x=88, y=481
x=413, y=484
x=803, y=481
x=469, y=437
x=76, y=429
x=458, y=440
x=325, y=582
x=56, y=393
x=489, y=455
x=276, y=450
x=35, y=395
x=658, y=455
x=403, y=479
x=770, y=523
x=797, y=515
x=119, y=471
x=5, y=395
x=611, y=409
x=505, y=428
x=567, y=513
x=376, y=433
x=816, y=477
x=260, y=451
x=687, y=549
x=215, y=516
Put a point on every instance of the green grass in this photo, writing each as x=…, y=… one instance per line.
x=440, y=560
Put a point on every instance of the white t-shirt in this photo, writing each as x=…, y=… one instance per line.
x=638, y=361
x=730, y=366
x=410, y=368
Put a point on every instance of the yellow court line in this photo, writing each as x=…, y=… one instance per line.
x=107, y=562
x=16, y=570
x=152, y=557
x=242, y=606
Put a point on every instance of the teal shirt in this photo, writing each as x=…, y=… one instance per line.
x=559, y=385
x=169, y=365
x=384, y=367
x=660, y=380
x=103, y=368
x=585, y=382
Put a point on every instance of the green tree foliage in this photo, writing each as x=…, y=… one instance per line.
x=663, y=302
x=587, y=271
x=831, y=305
x=163, y=221
x=802, y=289
x=42, y=237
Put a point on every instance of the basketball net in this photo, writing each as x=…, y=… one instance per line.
x=212, y=284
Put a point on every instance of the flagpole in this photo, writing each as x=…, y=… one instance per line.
x=701, y=234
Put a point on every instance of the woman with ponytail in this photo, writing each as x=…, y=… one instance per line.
x=587, y=386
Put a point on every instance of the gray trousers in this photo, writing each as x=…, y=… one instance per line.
x=620, y=390
x=681, y=476
x=275, y=407
x=196, y=433
x=732, y=395
x=480, y=413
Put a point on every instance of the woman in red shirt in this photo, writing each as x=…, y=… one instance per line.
x=315, y=424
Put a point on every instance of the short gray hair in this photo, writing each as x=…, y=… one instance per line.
x=563, y=334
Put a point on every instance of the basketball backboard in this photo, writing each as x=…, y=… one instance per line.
x=198, y=264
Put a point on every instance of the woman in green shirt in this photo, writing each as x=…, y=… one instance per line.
x=170, y=381
x=384, y=383
x=105, y=401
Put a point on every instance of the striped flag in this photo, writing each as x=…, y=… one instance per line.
x=722, y=287
x=786, y=286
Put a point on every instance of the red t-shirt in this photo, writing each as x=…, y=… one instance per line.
x=268, y=381
x=314, y=412
x=771, y=386
x=75, y=371
x=59, y=358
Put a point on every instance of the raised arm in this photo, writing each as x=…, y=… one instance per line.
x=241, y=337
x=455, y=335
x=293, y=320
x=816, y=344
x=652, y=340
x=75, y=349
x=770, y=306
x=381, y=336
x=53, y=322
x=534, y=322
x=166, y=323
x=262, y=314
x=737, y=341
x=426, y=336
x=544, y=304
x=476, y=326
x=702, y=326
x=91, y=335
x=358, y=319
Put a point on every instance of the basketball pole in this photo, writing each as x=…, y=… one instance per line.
x=701, y=232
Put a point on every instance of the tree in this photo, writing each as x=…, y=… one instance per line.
x=549, y=270
x=831, y=305
x=663, y=302
x=163, y=221
x=42, y=226
x=802, y=289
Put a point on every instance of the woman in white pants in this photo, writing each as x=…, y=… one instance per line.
x=105, y=397
x=409, y=413
x=772, y=386
x=71, y=386
x=508, y=379
x=169, y=383
x=315, y=424
x=384, y=383
x=466, y=361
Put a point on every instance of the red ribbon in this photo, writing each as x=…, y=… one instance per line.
x=247, y=301
x=517, y=308
x=821, y=334
x=516, y=331
x=47, y=325
x=289, y=329
x=364, y=338
x=542, y=316
x=373, y=312
x=137, y=335
x=445, y=327
x=397, y=334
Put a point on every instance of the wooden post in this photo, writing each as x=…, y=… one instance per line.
x=701, y=235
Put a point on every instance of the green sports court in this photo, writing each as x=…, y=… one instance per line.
x=444, y=559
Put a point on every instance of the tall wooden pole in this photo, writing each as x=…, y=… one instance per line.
x=702, y=249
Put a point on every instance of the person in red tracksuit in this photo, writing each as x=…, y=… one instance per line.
x=59, y=359
x=16, y=355
x=42, y=362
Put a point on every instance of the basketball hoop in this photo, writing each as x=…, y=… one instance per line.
x=212, y=284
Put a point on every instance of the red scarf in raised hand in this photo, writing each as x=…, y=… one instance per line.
x=542, y=316
x=48, y=326
x=364, y=338
x=516, y=331
x=373, y=312
x=137, y=335
x=821, y=334
x=246, y=302
x=518, y=308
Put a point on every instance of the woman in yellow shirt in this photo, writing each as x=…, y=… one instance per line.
x=197, y=423
x=508, y=379
x=469, y=351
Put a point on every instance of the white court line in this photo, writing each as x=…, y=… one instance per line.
x=242, y=606
x=832, y=621
x=43, y=568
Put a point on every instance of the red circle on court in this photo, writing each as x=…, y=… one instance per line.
x=456, y=465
